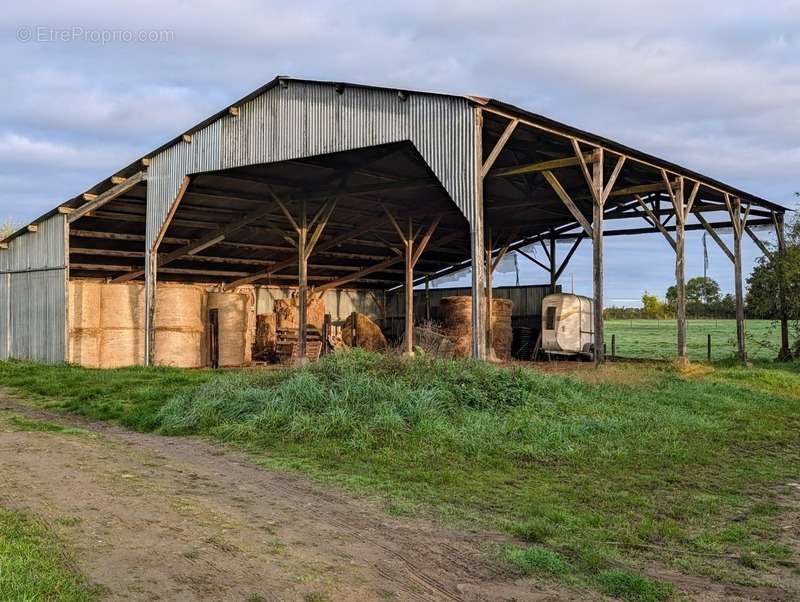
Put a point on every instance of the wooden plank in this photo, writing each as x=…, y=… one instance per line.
x=498, y=147
x=680, y=272
x=171, y=213
x=738, y=284
x=540, y=166
x=390, y=261
x=749, y=231
x=597, y=196
x=596, y=185
x=426, y=238
x=568, y=256
x=567, y=200
x=713, y=233
x=107, y=196
x=656, y=222
x=613, y=179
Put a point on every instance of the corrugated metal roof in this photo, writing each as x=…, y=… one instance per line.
x=476, y=100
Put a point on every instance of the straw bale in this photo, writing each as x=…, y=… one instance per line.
x=368, y=334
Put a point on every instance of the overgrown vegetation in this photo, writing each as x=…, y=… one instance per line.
x=597, y=477
x=33, y=565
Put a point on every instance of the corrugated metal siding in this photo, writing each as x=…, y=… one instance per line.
x=5, y=316
x=339, y=303
x=306, y=119
x=527, y=300
x=33, y=297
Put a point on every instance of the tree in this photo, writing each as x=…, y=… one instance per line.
x=703, y=297
x=7, y=228
x=770, y=274
x=702, y=289
x=653, y=307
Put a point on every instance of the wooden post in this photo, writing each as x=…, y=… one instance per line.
x=477, y=246
x=408, y=347
x=489, y=285
x=302, y=283
x=553, y=264
x=680, y=269
x=736, y=209
x=785, y=353
x=597, y=255
x=150, y=307
x=427, y=298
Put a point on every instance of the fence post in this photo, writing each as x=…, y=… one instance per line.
x=709, y=347
x=613, y=346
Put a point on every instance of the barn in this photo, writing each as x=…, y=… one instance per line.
x=331, y=198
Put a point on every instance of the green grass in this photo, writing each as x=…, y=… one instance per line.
x=656, y=339
x=597, y=477
x=34, y=566
x=131, y=396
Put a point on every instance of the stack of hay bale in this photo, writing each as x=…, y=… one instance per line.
x=234, y=330
x=457, y=312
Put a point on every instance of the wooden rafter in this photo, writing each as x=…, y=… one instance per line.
x=567, y=200
x=498, y=147
x=107, y=196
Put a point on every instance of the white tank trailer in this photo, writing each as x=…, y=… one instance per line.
x=568, y=325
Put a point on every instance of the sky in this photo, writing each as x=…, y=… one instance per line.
x=88, y=87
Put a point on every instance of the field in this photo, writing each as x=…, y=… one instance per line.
x=656, y=339
x=621, y=480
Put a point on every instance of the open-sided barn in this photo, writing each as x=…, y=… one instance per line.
x=330, y=189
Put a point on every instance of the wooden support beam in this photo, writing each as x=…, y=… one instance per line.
x=540, y=166
x=715, y=236
x=408, y=338
x=498, y=147
x=532, y=259
x=379, y=267
x=680, y=270
x=597, y=195
x=218, y=235
x=107, y=196
x=32, y=227
x=656, y=222
x=613, y=179
x=569, y=255
x=759, y=243
x=596, y=231
x=302, y=283
x=567, y=200
x=736, y=211
x=171, y=213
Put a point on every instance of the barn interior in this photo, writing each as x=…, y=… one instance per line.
x=289, y=259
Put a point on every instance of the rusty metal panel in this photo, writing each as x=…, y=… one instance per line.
x=33, y=298
x=303, y=119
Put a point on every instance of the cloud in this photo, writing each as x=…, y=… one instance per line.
x=711, y=85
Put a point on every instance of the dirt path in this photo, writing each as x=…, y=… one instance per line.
x=158, y=518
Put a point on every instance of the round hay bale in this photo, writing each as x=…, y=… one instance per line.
x=121, y=347
x=180, y=329
x=457, y=313
x=122, y=306
x=233, y=309
x=84, y=304
x=84, y=323
x=122, y=325
x=84, y=348
x=368, y=335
